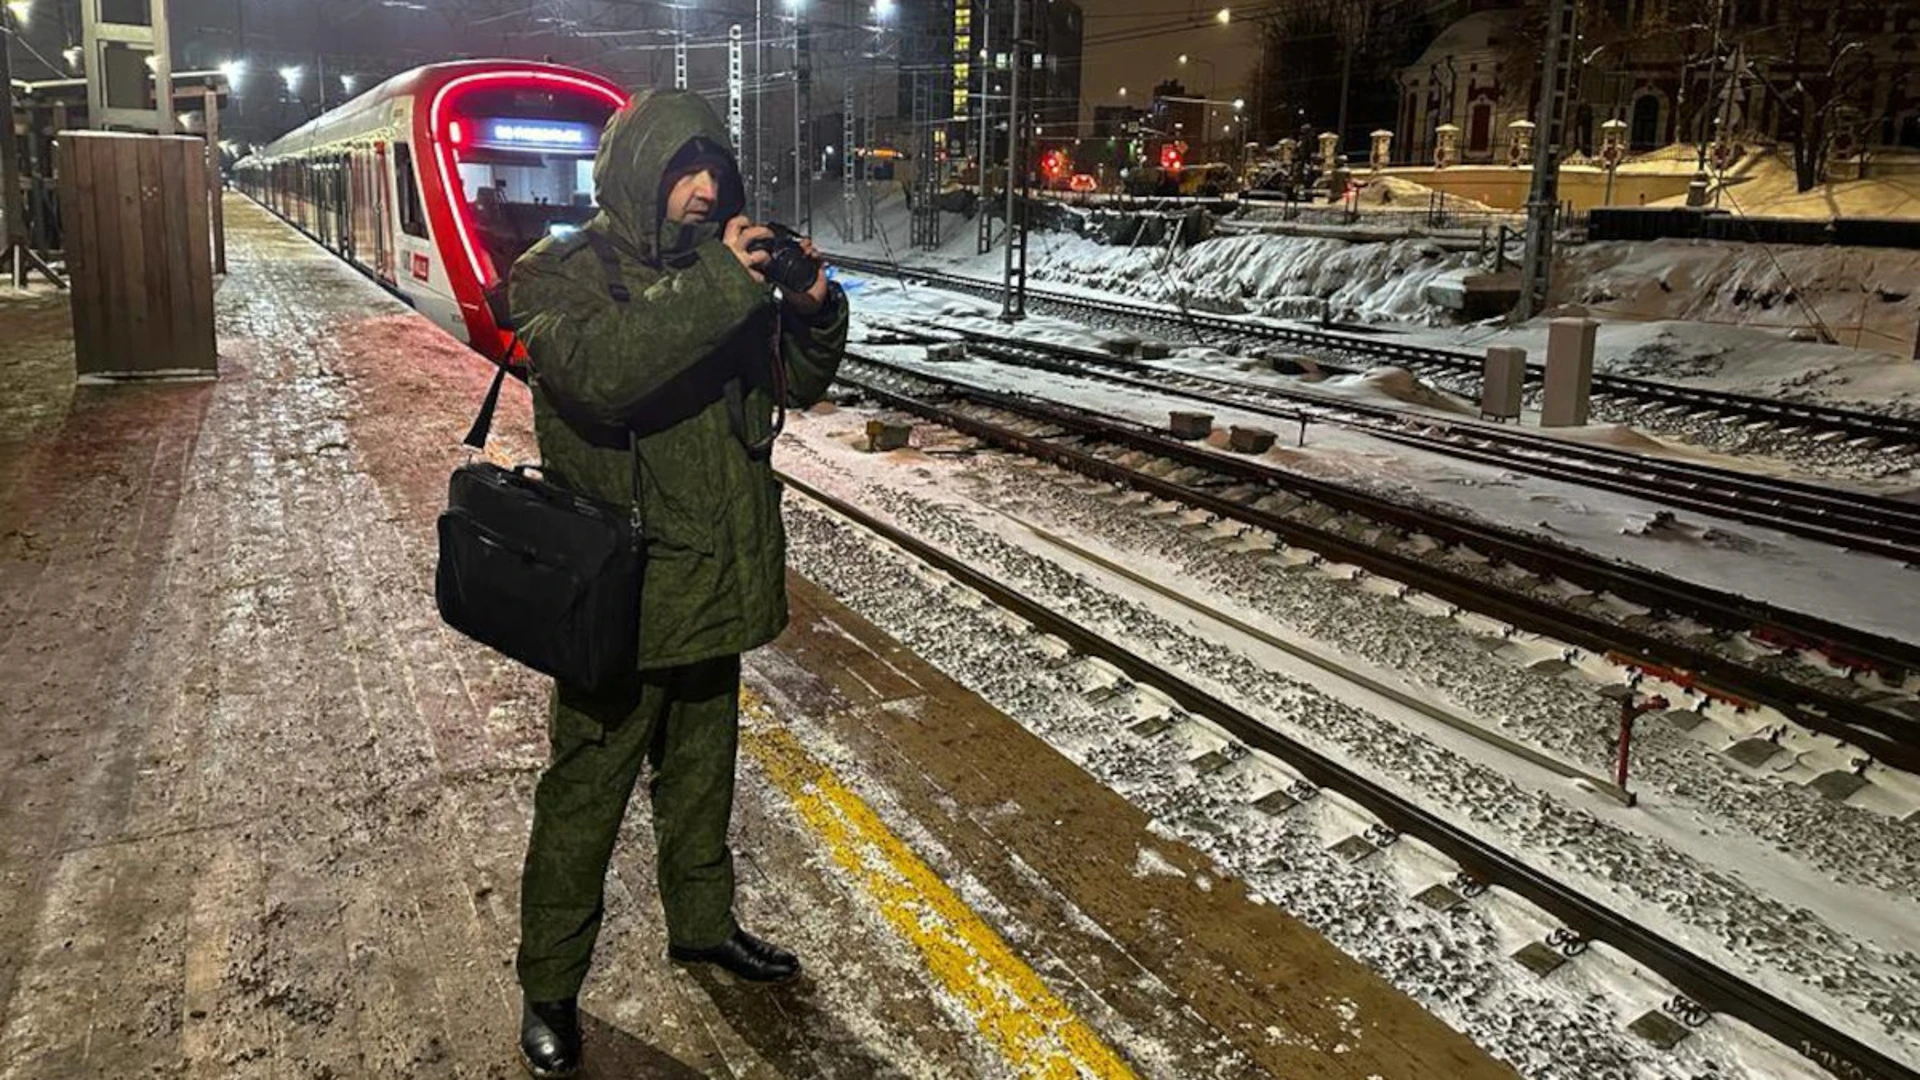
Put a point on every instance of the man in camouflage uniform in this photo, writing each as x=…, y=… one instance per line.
x=653, y=342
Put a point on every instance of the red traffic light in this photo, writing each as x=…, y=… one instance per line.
x=1053, y=163
x=1170, y=157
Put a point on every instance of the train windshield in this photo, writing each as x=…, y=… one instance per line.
x=526, y=164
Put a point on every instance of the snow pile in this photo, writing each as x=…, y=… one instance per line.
x=1397, y=386
x=1399, y=193
x=1275, y=276
x=1763, y=185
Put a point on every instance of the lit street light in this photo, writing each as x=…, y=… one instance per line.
x=349, y=82
x=1225, y=16
x=21, y=9
x=291, y=76
x=235, y=71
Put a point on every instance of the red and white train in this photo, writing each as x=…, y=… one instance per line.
x=436, y=180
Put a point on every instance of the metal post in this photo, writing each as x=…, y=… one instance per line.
x=849, y=137
x=735, y=89
x=1013, y=278
x=16, y=233
x=866, y=167
x=802, y=110
x=985, y=154
x=210, y=105
x=1550, y=128
x=759, y=118
x=679, y=50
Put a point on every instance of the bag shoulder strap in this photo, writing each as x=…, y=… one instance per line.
x=603, y=250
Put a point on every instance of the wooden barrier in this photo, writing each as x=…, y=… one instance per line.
x=139, y=254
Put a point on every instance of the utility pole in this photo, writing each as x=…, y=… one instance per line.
x=802, y=109
x=986, y=128
x=1543, y=202
x=1013, y=304
x=759, y=181
x=736, y=91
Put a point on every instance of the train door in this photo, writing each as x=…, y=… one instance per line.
x=378, y=210
x=342, y=220
x=350, y=202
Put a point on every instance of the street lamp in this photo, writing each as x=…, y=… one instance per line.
x=1123, y=91
x=291, y=76
x=349, y=82
x=235, y=71
x=21, y=9
x=1225, y=16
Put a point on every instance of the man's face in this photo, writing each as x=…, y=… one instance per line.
x=691, y=198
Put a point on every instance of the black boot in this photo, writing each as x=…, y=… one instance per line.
x=550, y=1038
x=743, y=955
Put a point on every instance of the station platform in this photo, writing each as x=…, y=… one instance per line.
x=264, y=815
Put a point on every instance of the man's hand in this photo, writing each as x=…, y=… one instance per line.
x=809, y=302
x=738, y=233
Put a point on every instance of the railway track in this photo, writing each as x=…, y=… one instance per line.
x=1703, y=986
x=1853, y=520
x=1644, y=399
x=1725, y=645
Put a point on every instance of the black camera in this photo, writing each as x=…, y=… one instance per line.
x=788, y=264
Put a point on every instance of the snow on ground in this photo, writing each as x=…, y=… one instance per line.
x=1685, y=311
x=1678, y=865
x=1762, y=184
x=1792, y=572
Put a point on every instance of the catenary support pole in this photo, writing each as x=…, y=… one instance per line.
x=1556, y=71
x=1014, y=296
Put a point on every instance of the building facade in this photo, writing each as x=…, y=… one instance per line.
x=957, y=55
x=1840, y=70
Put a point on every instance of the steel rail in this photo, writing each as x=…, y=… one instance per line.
x=1866, y=524
x=1853, y=423
x=1701, y=980
x=1890, y=738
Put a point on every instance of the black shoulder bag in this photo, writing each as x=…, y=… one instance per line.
x=547, y=576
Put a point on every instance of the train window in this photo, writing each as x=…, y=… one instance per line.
x=413, y=220
x=527, y=167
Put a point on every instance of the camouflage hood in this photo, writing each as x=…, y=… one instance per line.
x=660, y=132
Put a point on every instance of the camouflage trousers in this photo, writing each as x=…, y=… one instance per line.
x=685, y=723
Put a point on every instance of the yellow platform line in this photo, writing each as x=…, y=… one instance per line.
x=1037, y=1033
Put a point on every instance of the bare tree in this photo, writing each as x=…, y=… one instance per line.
x=1817, y=63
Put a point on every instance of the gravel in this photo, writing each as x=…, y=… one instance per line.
x=1449, y=961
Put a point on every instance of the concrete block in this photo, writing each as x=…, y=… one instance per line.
x=1275, y=802
x=1249, y=440
x=1503, y=377
x=1682, y=719
x=1191, y=426
x=1752, y=753
x=947, y=350
x=1155, y=350
x=1120, y=344
x=1539, y=959
x=1569, y=372
x=1439, y=898
x=882, y=435
x=1838, y=785
x=1660, y=1029
x=1151, y=726
x=1211, y=762
x=1354, y=848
